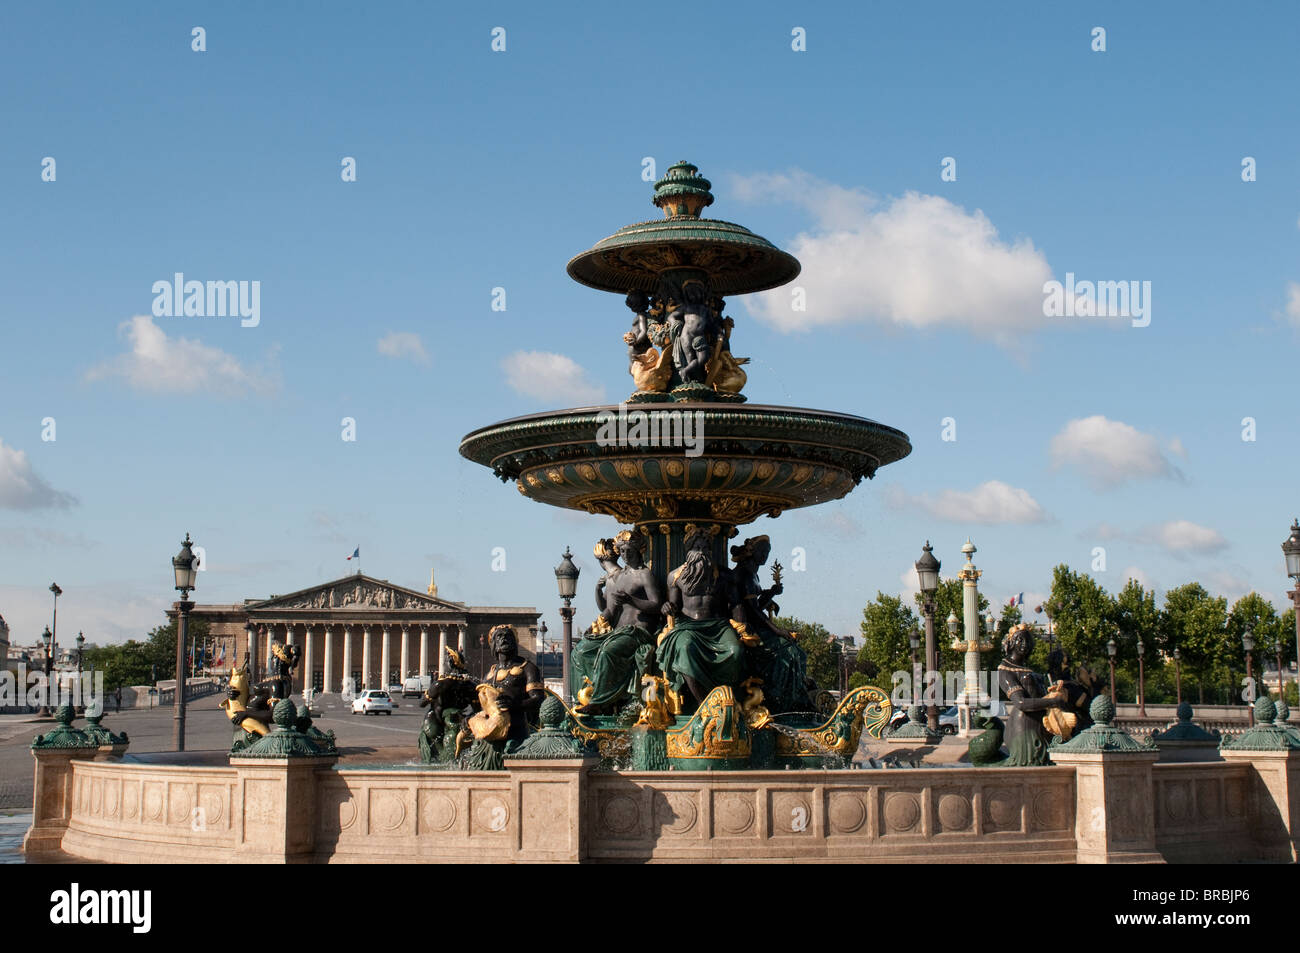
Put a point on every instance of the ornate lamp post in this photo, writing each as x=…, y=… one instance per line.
x=81, y=648
x=1111, y=648
x=914, y=640
x=1142, y=685
x=566, y=577
x=1178, y=673
x=1248, y=643
x=1291, y=550
x=48, y=639
x=186, y=571
x=54, y=588
x=927, y=574
x=972, y=644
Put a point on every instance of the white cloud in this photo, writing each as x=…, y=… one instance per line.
x=1182, y=536
x=1110, y=452
x=1293, y=302
x=404, y=344
x=915, y=261
x=992, y=502
x=1133, y=572
x=22, y=488
x=553, y=378
x=157, y=362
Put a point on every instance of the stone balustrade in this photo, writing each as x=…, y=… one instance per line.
x=199, y=807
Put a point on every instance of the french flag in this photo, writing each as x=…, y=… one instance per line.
x=356, y=554
x=1017, y=600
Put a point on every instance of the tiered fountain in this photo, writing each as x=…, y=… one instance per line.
x=686, y=452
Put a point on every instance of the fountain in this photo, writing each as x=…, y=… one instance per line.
x=685, y=461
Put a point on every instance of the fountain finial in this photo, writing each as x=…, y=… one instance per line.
x=683, y=192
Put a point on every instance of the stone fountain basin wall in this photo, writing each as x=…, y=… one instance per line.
x=143, y=810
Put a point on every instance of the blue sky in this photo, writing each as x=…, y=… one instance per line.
x=479, y=169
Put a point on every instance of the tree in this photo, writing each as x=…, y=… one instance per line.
x=1136, y=616
x=820, y=647
x=1195, y=623
x=160, y=648
x=125, y=664
x=1271, y=632
x=886, y=627
x=1082, y=616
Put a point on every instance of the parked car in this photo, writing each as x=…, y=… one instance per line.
x=948, y=721
x=371, y=702
x=416, y=685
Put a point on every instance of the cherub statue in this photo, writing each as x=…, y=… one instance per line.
x=650, y=368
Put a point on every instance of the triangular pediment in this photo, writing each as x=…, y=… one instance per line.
x=357, y=592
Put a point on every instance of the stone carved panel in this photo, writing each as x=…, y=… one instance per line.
x=1209, y=803
x=153, y=801
x=618, y=815
x=901, y=813
x=261, y=812
x=359, y=594
x=1002, y=809
x=338, y=811
x=677, y=813
x=131, y=800
x=489, y=814
x=846, y=812
x=733, y=813
x=437, y=812
x=1234, y=797
x=954, y=811
x=180, y=803
x=1052, y=810
x=790, y=813
x=547, y=824
x=388, y=812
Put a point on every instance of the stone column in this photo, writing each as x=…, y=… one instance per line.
x=307, y=659
x=424, y=650
x=405, y=653
x=384, y=659
x=442, y=650
x=266, y=654
x=970, y=697
x=365, y=656
x=347, y=657
x=250, y=651
x=289, y=638
x=460, y=641
x=1114, y=815
x=328, y=651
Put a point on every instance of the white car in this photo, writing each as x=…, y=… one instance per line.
x=372, y=702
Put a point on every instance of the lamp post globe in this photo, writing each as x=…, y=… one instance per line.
x=927, y=577
x=566, y=579
x=1291, y=550
x=1248, y=643
x=185, y=569
x=47, y=637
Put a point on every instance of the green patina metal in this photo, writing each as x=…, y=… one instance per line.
x=288, y=739
x=1266, y=735
x=100, y=735
x=64, y=735
x=1103, y=736
x=553, y=740
x=649, y=748
x=1185, y=729
x=916, y=727
x=1283, y=713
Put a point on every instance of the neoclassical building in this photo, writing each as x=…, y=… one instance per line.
x=366, y=629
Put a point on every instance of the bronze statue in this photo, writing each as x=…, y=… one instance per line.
x=693, y=328
x=699, y=648
x=447, y=700
x=1079, y=688
x=771, y=653
x=284, y=659
x=247, y=710
x=1027, y=705
x=651, y=368
x=632, y=598
x=509, y=695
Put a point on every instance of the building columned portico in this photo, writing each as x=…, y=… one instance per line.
x=367, y=630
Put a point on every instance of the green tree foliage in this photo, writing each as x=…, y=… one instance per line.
x=1082, y=616
x=134, y=662
x=948, y=599
x=887, y=625
x=1195, y=623
x=1136, y=619
x=821, y=648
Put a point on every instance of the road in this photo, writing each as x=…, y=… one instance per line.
x=361, y=738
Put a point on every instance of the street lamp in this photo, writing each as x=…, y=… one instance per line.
x=48, y=638
x=566, y=578
x=914, y=640
x=927, y=574
x=1248, y=643
x=1178, y=673
x=185, y=568
x=1142, y=685
x=54, y=588
x=1291, y=549
x=81, y=648
x=1111, y=648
